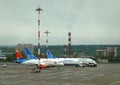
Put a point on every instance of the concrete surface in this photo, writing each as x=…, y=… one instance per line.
x=16, y=74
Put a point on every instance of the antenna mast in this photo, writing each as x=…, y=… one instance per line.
x=69, y=44
x=46, y=32
x=39, y=9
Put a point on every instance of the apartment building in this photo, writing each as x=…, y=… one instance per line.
x=21, y=47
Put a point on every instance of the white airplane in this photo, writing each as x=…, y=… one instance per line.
x=88, y=62
x=21, y=60
x=66, y=61
x=73, y=61
x=44, y=63
x=30, y=56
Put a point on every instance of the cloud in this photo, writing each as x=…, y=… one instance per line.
x=89, y=21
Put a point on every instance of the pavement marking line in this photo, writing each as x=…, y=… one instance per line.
x=116, y=82
x=56, y=73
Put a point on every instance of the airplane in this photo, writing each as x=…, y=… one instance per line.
x=43, y=63
x=74, y=61
x=66, y=61
x=30, y=56
x=89, y=62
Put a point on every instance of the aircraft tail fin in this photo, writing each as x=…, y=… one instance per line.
x=19, y=57
x=29, y=54
x=49, y=54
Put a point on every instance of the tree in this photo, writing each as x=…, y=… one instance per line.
x=11, y=57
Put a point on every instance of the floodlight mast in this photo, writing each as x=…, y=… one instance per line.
x=46, y=32
x=69, y=44
x=39, y=9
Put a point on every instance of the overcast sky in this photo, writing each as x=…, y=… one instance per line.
x=89, y=21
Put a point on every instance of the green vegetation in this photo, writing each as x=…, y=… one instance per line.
x=58, y=50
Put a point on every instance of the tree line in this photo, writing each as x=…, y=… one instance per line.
x=58, y=51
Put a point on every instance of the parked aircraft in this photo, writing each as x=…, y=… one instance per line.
x=44, y=63
x=66, y=61
x=30, y=56
x=73, y=61
x=21, y=60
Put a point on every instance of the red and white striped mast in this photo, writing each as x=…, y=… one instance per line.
x=39, y=9
x=46, y=32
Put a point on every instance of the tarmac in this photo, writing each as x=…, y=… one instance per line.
x=103, y=74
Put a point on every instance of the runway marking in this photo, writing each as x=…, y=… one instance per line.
x=116, y=82
x=56, y=73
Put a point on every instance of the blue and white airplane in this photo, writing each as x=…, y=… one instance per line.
x=44, y=63
x=73, y=61
x=30, y=56
x=66, y=61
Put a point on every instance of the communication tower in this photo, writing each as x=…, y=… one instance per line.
x=46, y=32
x=69, y=44
x=38, y=10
